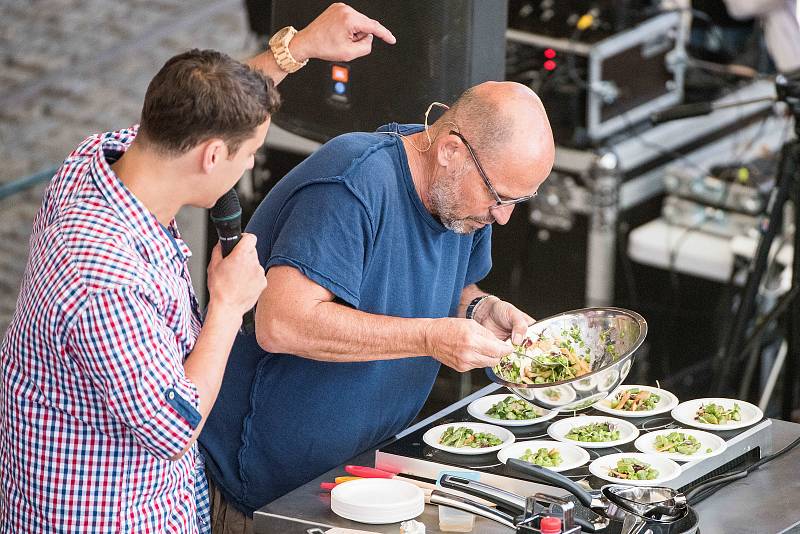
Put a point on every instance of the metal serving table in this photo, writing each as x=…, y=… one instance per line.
x=766, y=501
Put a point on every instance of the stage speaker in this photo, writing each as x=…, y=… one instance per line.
x=443, y=47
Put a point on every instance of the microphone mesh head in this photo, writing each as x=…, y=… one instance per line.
x=227, y=206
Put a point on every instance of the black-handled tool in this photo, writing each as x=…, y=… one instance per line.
x=555, y=479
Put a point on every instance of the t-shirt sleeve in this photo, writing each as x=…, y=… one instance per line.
x=135, y=363
x=325, y=231
x=480, y=258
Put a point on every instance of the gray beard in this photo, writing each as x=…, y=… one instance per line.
x=444, y=196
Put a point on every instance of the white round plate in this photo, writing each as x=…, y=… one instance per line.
x=667, y=469
x=377, y=500
x=647, y=444
x=668, y=401
x=433, y=435
x=479, y=407
x=686, y=411
x=559, y=430
x=572, y=455
x=555, y=395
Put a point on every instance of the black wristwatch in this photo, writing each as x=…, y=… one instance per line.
x=470, y=313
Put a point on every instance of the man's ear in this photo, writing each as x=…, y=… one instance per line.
x=213, y=151
x=446, y=149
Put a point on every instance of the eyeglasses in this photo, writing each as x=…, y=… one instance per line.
x=499, y=203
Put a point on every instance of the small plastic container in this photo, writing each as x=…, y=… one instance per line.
x=452, y=520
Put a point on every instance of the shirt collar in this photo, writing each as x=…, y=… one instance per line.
x=159, y=243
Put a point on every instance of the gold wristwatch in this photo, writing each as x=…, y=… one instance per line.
x=279, y=44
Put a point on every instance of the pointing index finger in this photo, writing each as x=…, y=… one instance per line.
x=368, y=25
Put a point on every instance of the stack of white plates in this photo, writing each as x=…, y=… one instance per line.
x=377, y=500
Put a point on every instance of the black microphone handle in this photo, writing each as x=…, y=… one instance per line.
x=249, y=318
x=227, y=244
x=226, y=216
x=249, y=321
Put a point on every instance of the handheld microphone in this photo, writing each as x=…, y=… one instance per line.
x=227, y=218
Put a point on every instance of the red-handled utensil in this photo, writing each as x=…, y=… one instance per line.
x=368, y=472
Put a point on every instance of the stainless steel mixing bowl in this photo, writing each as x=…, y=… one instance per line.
x=612, y=334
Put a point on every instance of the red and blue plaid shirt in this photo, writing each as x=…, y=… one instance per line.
x=94, y=400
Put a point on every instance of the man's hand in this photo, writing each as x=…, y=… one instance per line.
x=340, y=33
x=463, y=344
x=503, y=319
x=236, y=281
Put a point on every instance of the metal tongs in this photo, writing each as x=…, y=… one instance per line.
x=536, y=507
x=527, y=512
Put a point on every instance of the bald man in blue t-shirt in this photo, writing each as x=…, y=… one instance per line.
x=373, y=248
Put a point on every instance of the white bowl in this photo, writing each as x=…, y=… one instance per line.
x=667, y=469
x=686, y=411
x=572, y=455
x=433, y=435
x=667, y=402
x=479, y=407
x=647, y=444
x=377, y=500
x=559, y=430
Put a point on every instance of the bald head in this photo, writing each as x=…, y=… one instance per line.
x=507, y=126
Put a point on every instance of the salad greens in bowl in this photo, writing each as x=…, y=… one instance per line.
x=583, y=354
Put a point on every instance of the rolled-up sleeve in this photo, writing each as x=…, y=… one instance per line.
x=136, y=364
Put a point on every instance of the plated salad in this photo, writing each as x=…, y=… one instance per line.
x=594, y=432
x=546, y=359
x=635, y=400
x=512, y=408
x=716, y=414
x=466, y=437
x=678, y=442
x=543, y=457
x=632, y=469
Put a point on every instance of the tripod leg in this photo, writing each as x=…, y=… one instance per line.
x=729, y=358
x=793, y=334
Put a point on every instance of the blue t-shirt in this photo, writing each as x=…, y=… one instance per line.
x=350, y=219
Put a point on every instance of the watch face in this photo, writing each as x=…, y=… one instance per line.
x=280, y=36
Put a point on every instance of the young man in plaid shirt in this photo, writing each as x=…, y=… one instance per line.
x=108, y=369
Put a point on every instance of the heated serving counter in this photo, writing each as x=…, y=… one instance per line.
x=766, y=501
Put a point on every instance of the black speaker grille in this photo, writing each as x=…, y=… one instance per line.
x=443, y=47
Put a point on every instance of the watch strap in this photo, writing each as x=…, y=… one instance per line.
x=279, y=45
x=473, y=305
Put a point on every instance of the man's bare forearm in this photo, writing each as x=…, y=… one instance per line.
x=297, y=316
x=333, y=332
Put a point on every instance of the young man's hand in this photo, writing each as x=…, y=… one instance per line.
x=237, y=280
x=340, y=33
